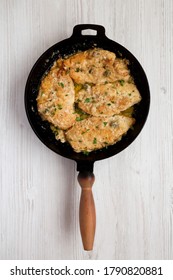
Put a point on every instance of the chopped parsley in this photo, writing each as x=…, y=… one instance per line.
x=87, y=100
x=95, y=141
x=53, y=112
x=109, y=104
x=59, y=106
x=86, y=153
x=119, y=53
x=78, y=119
x=130, y=94
x=78, y=69
x=80, y=113
x=61, y=85
x=121, y=82
x=106, y=73
x=105, y=123
x=85, y=131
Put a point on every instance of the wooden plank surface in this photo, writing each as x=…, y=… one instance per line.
x=39, y=193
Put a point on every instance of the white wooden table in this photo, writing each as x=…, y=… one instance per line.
x=39, y=193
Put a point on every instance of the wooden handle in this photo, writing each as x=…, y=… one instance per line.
x=87, y=215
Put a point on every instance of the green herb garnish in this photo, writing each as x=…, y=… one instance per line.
x=107, y=73
x=85, y=131
x=121, y=82
x=61, y=85
x=78, y=119
x=119, y=53
x=87, y=100
x=105, y=123
x=53, y=112
x=80, y=113
x=59, y=106
x=78, y=70
x=86, y=153
x=95, y=141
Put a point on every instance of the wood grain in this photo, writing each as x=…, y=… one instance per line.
x=39, y=192
x=87, y=213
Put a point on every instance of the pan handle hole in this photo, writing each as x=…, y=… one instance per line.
x=89, y=32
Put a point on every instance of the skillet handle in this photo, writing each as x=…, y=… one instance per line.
x=87, y=215
x=77, y=30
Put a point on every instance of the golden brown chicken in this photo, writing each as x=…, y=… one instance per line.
x=108, y=99
x=56, y=98
x=97, y=132
x=84, y=97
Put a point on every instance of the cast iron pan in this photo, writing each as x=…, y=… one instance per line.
x=78, y=42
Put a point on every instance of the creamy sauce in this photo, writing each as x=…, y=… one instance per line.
x=87, y=98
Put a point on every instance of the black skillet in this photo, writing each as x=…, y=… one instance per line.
x=78, y=42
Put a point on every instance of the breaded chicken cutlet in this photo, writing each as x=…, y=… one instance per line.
x=83, y=98
x=96, y=132
x=56, y=98
x=108, y=99
x=96, y=66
